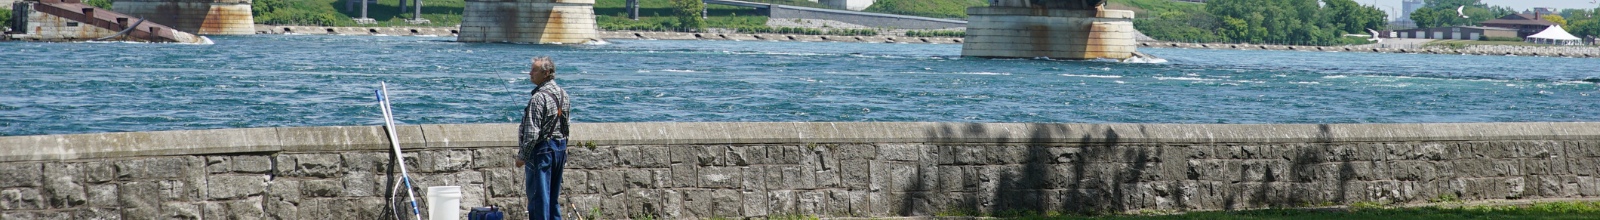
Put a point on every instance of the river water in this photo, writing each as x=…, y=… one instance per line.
x=312, y=80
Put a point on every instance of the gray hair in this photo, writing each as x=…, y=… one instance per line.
x=543, y=63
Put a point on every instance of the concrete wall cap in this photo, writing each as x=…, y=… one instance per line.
x=374, y=138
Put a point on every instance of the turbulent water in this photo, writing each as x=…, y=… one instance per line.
x=280, y=80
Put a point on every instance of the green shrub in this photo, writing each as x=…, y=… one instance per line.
x=5, y=19
x=926, y=8
x=689, y=14
x=780, y=30
x=853, y=32
x=106, y=4
x=936, y=34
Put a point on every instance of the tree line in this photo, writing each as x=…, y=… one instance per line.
x=1302, y=22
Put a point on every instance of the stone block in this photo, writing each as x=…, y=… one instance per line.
x=1588, y=186
x=248, y=208
x=226, y=187
x=964, y=155
x=18, y=215
x=719, y=177
x=904, y=152
x=856, y=152
x=61, y=186
x=710, y=155
x=786, y=154
x=186, y=189
x=218, y=164
x=754, y=204
x=99, y=172
x=443, y=160
x=747, y=155
x=638, y=179
x=782, y=202
x=726, y=203
x=102, y=195
x=21, y=198
x=311, y=165
x=628, y=156
x=283, y=190
x=585, y=158
x=364, y=183
x=576, y=182
x=498, y=157
x=610, y=182
x=644, y=202
x=809, y=201
x=855, y=173
x=369, y=162
x=754, y=179
x=505, y=182
x=796, y=177
x=684, y=175
x=160, y=168
x=321, y=188
x=93, y=213
x=139, y=197
x=583, y=206
x=251, y=164
x=682, y=154
x=181, y=210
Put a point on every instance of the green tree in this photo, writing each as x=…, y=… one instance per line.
x=5, y=20
x=689, y=14
x=1557, y=19
x=1293, y=21
x=1584, y=23
x=1425, y=18
x=106, y=4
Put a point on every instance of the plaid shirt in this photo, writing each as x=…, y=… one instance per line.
x=544, y=119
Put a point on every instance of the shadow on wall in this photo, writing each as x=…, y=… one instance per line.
x=1103, y=174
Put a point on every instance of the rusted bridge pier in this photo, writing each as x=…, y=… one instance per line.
x=71, y=20
x=1057, y=29
x=529, y=21
x=203, y=17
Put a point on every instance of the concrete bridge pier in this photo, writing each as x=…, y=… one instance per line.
x=529, y=21
x=203, y=17
x=1061, y=29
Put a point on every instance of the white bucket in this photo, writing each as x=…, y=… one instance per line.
x=444, y=203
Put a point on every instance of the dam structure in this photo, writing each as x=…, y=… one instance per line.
x=529, y=21
x=202, y=17
x=1057, y=29
x=823, y=169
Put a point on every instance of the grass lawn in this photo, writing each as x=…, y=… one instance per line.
x=1464, y=43
x=1154, y=8
x=333, y=13
x=658, y=15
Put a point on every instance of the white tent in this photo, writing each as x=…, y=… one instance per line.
x=1554, y=35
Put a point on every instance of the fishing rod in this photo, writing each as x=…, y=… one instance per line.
x=394, y=141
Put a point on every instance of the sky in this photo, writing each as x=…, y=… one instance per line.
x=1519, y=5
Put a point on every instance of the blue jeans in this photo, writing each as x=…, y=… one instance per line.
x=543, y=182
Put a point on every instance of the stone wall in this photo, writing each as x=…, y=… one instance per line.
x=712, y=170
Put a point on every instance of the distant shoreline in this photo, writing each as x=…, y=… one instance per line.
x=1487, y=50
x=642, y=35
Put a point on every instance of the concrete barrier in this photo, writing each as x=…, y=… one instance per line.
x=753, y=170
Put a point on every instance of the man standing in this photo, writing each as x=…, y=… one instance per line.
x=542, y=141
